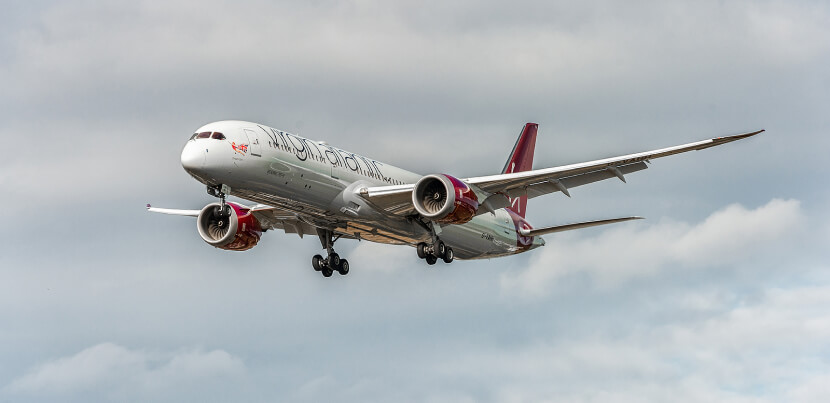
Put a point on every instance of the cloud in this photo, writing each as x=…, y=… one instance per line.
x=727, y=237
x=117, y=369
x=381, y=257
x=765, y=348
x=98, y=99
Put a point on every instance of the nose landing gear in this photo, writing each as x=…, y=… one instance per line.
x=332, y=262
x=223, y=211
x=220, y=191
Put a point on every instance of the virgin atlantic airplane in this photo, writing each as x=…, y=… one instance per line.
x=302, y=186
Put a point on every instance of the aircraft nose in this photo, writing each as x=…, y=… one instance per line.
x=193, y=156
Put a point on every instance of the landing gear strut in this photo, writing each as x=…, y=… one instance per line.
x=332, y=262
x=438, y=249
x=223, y=211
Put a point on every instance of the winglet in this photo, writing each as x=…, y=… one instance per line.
x=727, y=139
x=740, y=136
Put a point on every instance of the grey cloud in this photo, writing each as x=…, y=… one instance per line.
x=98, y=99
x=726, y=238
x=118, y=373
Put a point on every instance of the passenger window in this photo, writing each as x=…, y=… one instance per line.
x=218, y=136
x=203, y=135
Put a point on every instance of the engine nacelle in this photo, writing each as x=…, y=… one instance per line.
x=444, y=199
x=238, y=230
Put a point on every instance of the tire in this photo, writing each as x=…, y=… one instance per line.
x=327, y=272
x=422, y=253
x=440, y=249
x=317, y=262
x=431, y=259
x=449, y=255
x=334, y=260
x=343, y=269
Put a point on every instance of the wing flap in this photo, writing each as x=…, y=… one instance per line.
x=276, y=218
x=395, y=200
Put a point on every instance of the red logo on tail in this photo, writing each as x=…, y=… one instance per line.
x=521, y=160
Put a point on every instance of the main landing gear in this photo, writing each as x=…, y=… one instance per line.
x=431, y=253
x=332, y=262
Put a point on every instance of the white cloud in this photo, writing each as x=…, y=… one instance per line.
x=727, y=237
x=99, y=98
x=117, y=369
x=763, y=349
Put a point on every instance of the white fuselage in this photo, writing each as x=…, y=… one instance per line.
x=320, y=183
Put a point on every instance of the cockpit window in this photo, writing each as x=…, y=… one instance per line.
x=218, y=136
x=193, y=137
x=203, y=135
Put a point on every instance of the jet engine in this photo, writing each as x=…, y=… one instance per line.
x=235, y=228
x=444, y=199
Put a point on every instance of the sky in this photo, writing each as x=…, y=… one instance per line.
x=721, y=294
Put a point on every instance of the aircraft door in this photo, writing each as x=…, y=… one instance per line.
x=253, y=140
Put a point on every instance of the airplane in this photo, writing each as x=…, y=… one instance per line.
x=308, y=187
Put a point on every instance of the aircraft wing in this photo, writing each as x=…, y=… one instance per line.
x=542, y=181
x=268, y=217
x=570, y=227
x=397, y=199
x=275, y=218
x=188, y=213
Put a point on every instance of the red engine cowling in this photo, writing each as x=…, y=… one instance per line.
x=444, y=199
x=238, y=230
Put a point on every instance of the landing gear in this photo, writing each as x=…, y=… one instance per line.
x=449, y=255
x=438, y=250
x=223, y=210
x=331, y=263
x=344, y=267
x=317, y=263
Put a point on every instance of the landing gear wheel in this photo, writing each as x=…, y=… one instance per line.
x=440, y=249
x=317, y=262
x=449, y=255
x=343, y=269
x=334, y=260
x=422, y=253
x=327, y=271
x=431, y=259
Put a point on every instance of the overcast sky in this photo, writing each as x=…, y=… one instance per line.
x=722, y=294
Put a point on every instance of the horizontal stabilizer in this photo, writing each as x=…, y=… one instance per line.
x=568, y=227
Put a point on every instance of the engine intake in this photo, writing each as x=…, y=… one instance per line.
x=234, y=229
x=444, y=199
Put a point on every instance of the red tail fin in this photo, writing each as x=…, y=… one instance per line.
x=521, y=159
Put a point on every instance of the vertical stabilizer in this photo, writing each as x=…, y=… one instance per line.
x=521, y=159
